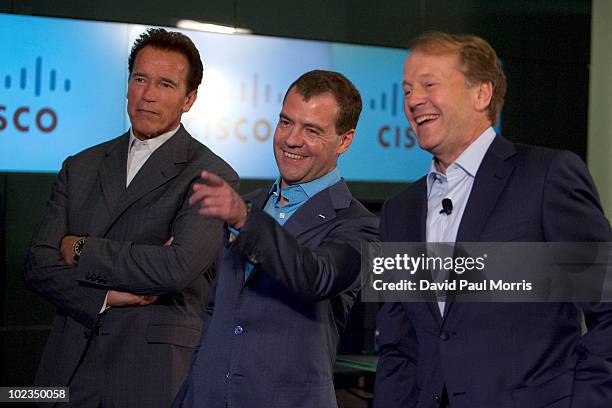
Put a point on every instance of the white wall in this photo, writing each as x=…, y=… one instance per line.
x=600, y=102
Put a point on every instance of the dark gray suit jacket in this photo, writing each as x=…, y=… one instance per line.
x=272, y=342
x=146, y=350
x=502, y=355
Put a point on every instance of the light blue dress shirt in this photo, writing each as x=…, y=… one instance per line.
x=456, y=185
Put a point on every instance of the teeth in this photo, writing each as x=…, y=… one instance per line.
x=293, y=156
x=421, y=119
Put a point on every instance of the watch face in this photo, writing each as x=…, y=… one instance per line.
x=78, y=247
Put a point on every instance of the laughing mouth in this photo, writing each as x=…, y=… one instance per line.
x=426, y=118
x=293, y=156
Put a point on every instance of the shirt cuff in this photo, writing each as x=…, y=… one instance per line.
x=234, y=232
x=104, y=306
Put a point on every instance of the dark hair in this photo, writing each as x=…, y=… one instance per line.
x=347, y=97
x=479, y=62
x=171, y=41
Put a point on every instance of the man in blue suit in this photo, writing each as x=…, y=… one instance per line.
x=495, y=355
x=289, y=272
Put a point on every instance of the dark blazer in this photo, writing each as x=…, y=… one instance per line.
x=146, y=350
x=501, y=355
x=272, y=342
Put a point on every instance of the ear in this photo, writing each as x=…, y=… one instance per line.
x=190, y=99
x=484, y=93
x=345, y=141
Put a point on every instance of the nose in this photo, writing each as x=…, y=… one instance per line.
x=294, y=137
x=416, y=98
x=149, y=93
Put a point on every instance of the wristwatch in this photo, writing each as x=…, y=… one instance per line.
x=77, y=248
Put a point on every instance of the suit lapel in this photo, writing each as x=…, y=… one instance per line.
x=112, y=172
x=491, y=178
x=258, y=198
x=163, y=165
x=417, y=211
x=319, y=209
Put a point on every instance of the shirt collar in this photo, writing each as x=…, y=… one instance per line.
x=310, y=188
x=154, y=142
x=469, y=160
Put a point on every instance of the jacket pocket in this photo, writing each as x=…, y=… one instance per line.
x=554, y=393
x=170, y=334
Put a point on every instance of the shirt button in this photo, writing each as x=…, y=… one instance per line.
x=281, y=215
x=238, y=330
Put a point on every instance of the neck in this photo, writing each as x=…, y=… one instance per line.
x=443, y=161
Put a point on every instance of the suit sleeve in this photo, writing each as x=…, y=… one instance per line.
x=397, y=363
x=47, y=274
x=396, y=371
x=309, y=274
x=158, y=269
x=570, y=196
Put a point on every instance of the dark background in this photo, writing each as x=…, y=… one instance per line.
x=544, y=44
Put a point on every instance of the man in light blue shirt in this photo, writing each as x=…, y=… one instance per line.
x=289, y=272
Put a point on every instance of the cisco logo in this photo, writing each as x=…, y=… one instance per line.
x=392, y=136
x=254, y=96
x=26, y=118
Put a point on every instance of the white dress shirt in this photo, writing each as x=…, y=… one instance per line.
x=139, y=152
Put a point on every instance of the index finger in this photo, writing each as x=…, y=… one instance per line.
x=212, y=179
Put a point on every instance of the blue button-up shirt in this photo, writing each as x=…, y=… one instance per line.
x=296, y=195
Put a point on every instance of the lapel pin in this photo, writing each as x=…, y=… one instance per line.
x=322, y=216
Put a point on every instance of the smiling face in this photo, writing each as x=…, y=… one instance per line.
x=444, y=111
x=306, y=144
x=157, y=92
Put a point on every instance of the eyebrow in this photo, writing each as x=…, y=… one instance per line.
x=314, y=126
x=172, y=81
x=164, y=79
x=307, y=124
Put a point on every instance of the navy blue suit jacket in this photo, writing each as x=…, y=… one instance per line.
x=501, y=355
x=272, y=342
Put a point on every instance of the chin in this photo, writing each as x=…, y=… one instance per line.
x=291, y=179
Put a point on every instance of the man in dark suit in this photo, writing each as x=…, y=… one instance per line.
x=494, y=355
x=121, y=253
x=289, y=268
